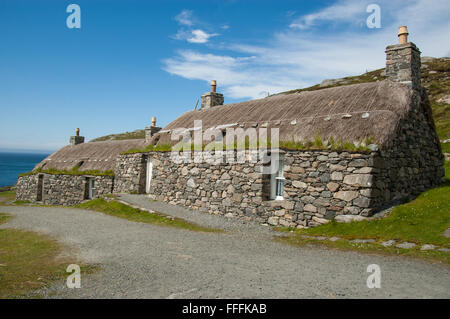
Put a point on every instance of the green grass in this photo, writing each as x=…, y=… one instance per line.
x=30, y=261
x=445, y=147
x=138, y=134
x=422, y=221
x=7, y=196
x=120, y=210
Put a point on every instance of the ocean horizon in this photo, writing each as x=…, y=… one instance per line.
x=14, y=163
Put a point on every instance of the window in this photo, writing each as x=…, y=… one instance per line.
x=277, y=179
x=89, y=192
x=40, y=188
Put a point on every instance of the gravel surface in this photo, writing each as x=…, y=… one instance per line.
x=145, y=261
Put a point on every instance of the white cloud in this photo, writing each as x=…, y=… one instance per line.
x=348, y=10
x=200, y=36
x=189, y=34
x=185, y=18
x=294, y=58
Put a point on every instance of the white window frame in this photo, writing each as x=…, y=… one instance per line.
x=277, y=179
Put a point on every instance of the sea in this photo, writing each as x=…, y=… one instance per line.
x=13, y=164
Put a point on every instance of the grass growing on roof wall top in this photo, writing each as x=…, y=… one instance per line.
x=317, y=144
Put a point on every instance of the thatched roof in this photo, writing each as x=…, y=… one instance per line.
x=99, y=156
x=348, y=113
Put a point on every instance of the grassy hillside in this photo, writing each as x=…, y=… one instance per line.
x=435, y=78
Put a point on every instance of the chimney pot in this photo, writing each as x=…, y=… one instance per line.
x=154, y=121
x=403, y=34
x=213, y=85
x=77, y=132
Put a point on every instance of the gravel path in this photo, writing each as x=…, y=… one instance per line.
x=146, y=261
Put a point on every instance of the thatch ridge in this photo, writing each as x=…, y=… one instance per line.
x=89, y=156
x=348, y=113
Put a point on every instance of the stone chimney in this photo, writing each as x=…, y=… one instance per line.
x=151, y=130
x=212, y=98
x=77, y=139
x=403, y=61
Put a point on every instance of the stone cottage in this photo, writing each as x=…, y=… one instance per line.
x=309, y=186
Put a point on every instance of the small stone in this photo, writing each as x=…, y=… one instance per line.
x=388, y=243
x=337, y=176
x=309, y=208
x=229, y=215
x=427, y=247
x=333, y=238
x=363, y=241
x=273, y=220
x=406, y=245
x=191, y=183
x=298, y=184
x=445, y=250
x=349, y=218
x=346, y=195
x=333, y=186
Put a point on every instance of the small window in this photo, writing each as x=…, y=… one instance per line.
x=89, y=192
x=277, y=179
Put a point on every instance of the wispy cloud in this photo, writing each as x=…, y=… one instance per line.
x=304, y=55
x=343, y=11
x=187, y=32
x=185, y=18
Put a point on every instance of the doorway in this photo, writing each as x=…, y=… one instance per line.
x=149, y=174
x=40, y=188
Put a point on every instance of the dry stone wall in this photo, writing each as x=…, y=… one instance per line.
x=26, y=188
x=318, y=186
x=130, y=173
x=62, y=189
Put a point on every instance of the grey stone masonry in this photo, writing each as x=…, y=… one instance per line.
x=62, y=189
x=75, y=140
x=150, y=131
x=403, y=64
x=211, y=99
x=130, y=173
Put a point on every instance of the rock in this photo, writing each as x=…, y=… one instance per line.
x=447, y=232
x=309, y=208
x=358, y=163
x=225, y=176
x=329, y=82
x=388, y=243
x=346, y=195
x=373, y=147
x=362, y=202
x=362, y=241
x=229, y=215
x=337, y=176
x=427, y=247
x=406, y=245
x=333, y=238
x=427, y=59
x=364, y=180
x=445, y=250
x=184, y=171
x=349, y=218
x=320, y=220
x=273, y=220
x=191, y=183
x=333, y=186
x=298, y=184
x=444, y=100
x=195, y=171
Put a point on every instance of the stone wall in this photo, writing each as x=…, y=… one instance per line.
x=26, y=188
x=414, y=162
x=318, y=186
x=62, y=189
x=130, y=173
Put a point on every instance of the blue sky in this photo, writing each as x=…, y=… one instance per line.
x=132, y=60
